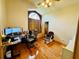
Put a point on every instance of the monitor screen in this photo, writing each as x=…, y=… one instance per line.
x=8, y=31
x=16, y=30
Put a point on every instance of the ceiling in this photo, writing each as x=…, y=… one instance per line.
x=61, y=3
x=56, y=5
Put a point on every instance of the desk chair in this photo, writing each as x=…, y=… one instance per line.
x=30, y=41
x=49, y=37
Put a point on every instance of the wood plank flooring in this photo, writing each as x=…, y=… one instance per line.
x=52, y=50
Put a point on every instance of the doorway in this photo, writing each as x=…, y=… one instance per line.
x=76, y=52
x=46, y=27
x=34, y=21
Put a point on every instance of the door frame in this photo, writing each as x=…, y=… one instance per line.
x=46, y=23
x=30, y=11
x=76, y=41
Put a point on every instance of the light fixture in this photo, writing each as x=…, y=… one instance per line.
x=47, y=3
x=50, y=3
x=43, y=4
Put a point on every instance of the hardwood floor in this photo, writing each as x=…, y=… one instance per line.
x=52, y=50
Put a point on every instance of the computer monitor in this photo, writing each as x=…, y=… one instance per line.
x=7, y=31
x=12, y=30
x=16, y=30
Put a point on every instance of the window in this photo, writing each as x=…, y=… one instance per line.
x=34, y=15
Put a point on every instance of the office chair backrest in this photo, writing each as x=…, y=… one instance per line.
x=30, y=32
x=51, y=33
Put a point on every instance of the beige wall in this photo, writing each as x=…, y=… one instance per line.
x=63, y=22
x=2, y=14
x=17, y=13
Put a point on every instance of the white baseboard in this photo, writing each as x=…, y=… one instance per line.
x=59, y=40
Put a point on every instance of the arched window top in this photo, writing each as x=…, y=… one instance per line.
x=34, y=15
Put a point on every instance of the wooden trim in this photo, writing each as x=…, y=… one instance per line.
x=1, y=49
x=40, y=19
x=76, y=55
